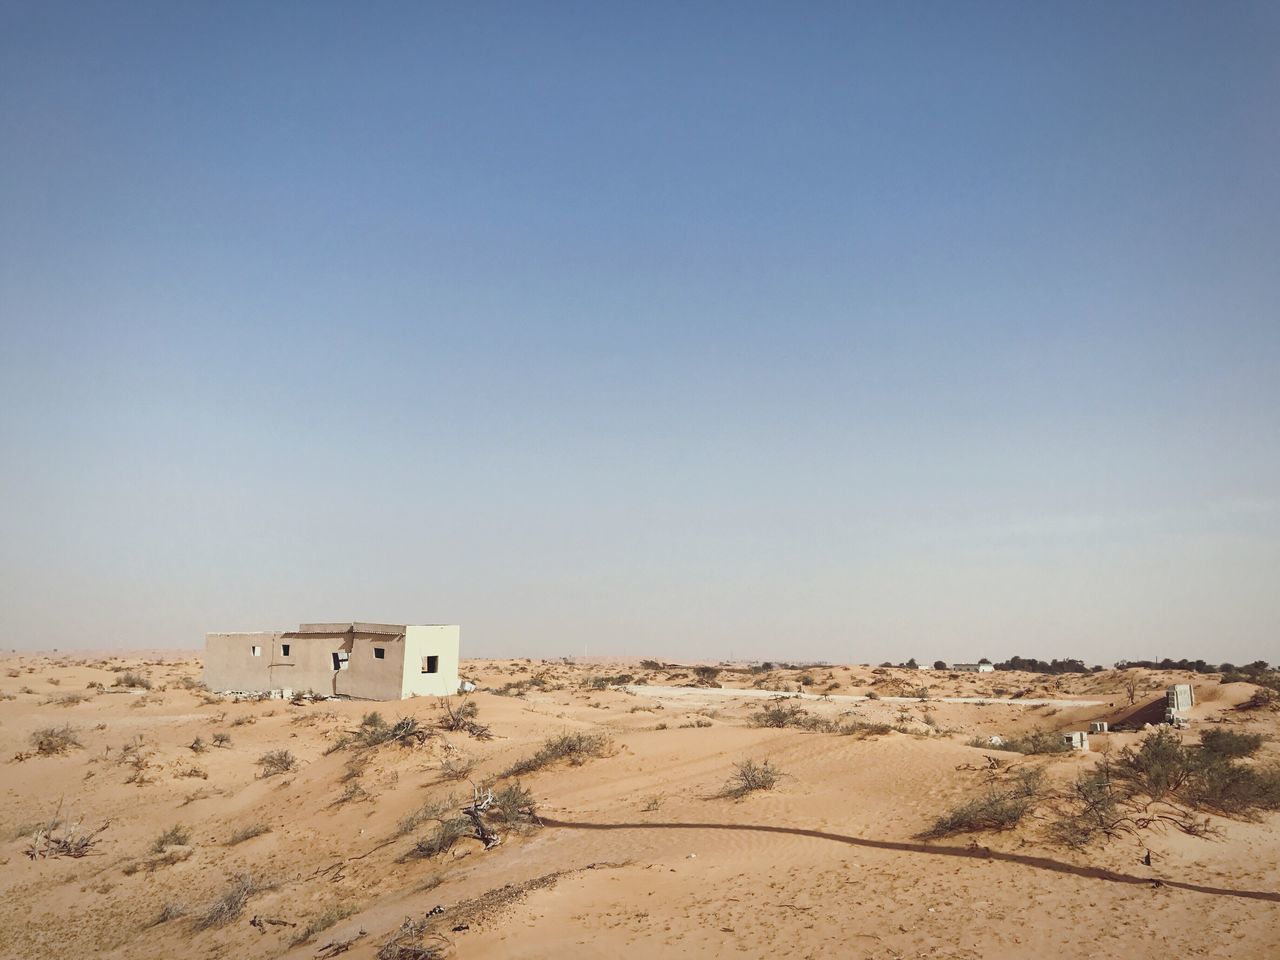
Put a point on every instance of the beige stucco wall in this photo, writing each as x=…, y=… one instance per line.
x=443, y=641
x=231, y=665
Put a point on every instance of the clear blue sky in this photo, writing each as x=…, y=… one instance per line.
x=849, y=331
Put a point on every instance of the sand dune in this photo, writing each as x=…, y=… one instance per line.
x=638, y=852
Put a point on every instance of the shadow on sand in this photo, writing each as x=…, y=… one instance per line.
x=967, y=853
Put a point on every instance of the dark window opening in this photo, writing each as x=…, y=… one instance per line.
x=379, y=653
x=284, y=649
x=340, y=659
x=431, y=664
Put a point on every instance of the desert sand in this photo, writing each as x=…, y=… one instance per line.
x=638, y=853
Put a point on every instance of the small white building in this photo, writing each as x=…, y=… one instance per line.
x=368, y=661
x=973, y=667
x=1078, y=740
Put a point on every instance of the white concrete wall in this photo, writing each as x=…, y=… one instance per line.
x=443, y=641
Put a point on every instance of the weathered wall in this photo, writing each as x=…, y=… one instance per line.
x=422, y=641
x=231, y=665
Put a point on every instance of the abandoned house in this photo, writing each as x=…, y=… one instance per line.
x=368, y=661
x=973, y=667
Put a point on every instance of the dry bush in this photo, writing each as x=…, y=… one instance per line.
x=1036, y=742
x=172, y=910
x=67, y=700
x=247, y=832
x=197, y=745
x=447, y=833
x=222, y=739
x=463, y=718
x=998, y=809
x=457, y=768
x=374, y=731
x=275, y=762
x=47, y=843
x=175, y=836
x=50, y=741
x=749, y=776
x=512, y=806
x=231, y=904
x=135, y=680
x=432, y=809
x=576, y=748
x=333, y=915
x=411, y=942
x=243, y=719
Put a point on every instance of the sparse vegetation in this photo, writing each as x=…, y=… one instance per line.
x=133, y=680
x=749, y=776
x=1000, y=808
x=247, y=832
x=334, y=914
x=462, y=717
x=576, y=748
x=231, y=904
x=457, y=767
x=50, y=741
x=175, y=836
x=275, y=762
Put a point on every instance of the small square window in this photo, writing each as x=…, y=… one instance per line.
x=284, y=649
x=379, y=653
x=340, y=659
x=431, y=664
x=256, y=650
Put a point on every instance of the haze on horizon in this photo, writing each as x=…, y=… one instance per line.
x=851, y=332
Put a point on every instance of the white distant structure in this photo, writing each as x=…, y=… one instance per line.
x=1180, y=698
x=973, y=667
x=1098, y=726
x=1076, y=741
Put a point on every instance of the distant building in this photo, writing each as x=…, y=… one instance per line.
x=369, y=661
x=1178, y=699
x=973, y=667
x=1076, y=741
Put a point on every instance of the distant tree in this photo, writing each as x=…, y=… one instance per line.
x=912, y=663
x=1130, y=684
x=939, y=664
x=983, y=660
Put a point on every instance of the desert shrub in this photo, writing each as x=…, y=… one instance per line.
x=1161, y=766
x=1229, y=745
x=576, y=748
x=333, y=915
x=650, y=665
x=706, y=674
x=222, y=739
x=998, y=809
x=432, y=809
x=1264, y=698
x=749, y=776
x=231, y=904
x=781, y=714
x=1035, y=742
x=68, y=699
x=172, y=910
x=197, y=745
x=132, y=680
x=463, y=718
x=275, y=762
x=175, y=836
x=862, y=728
x=872, y=695
x=412, y=942
x=447, y=833
x=512, y=805
x=54, y=740
x=1235, y=789
x=457, y=767
x=699, y=723
x=247, y=832
x=242, y=720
